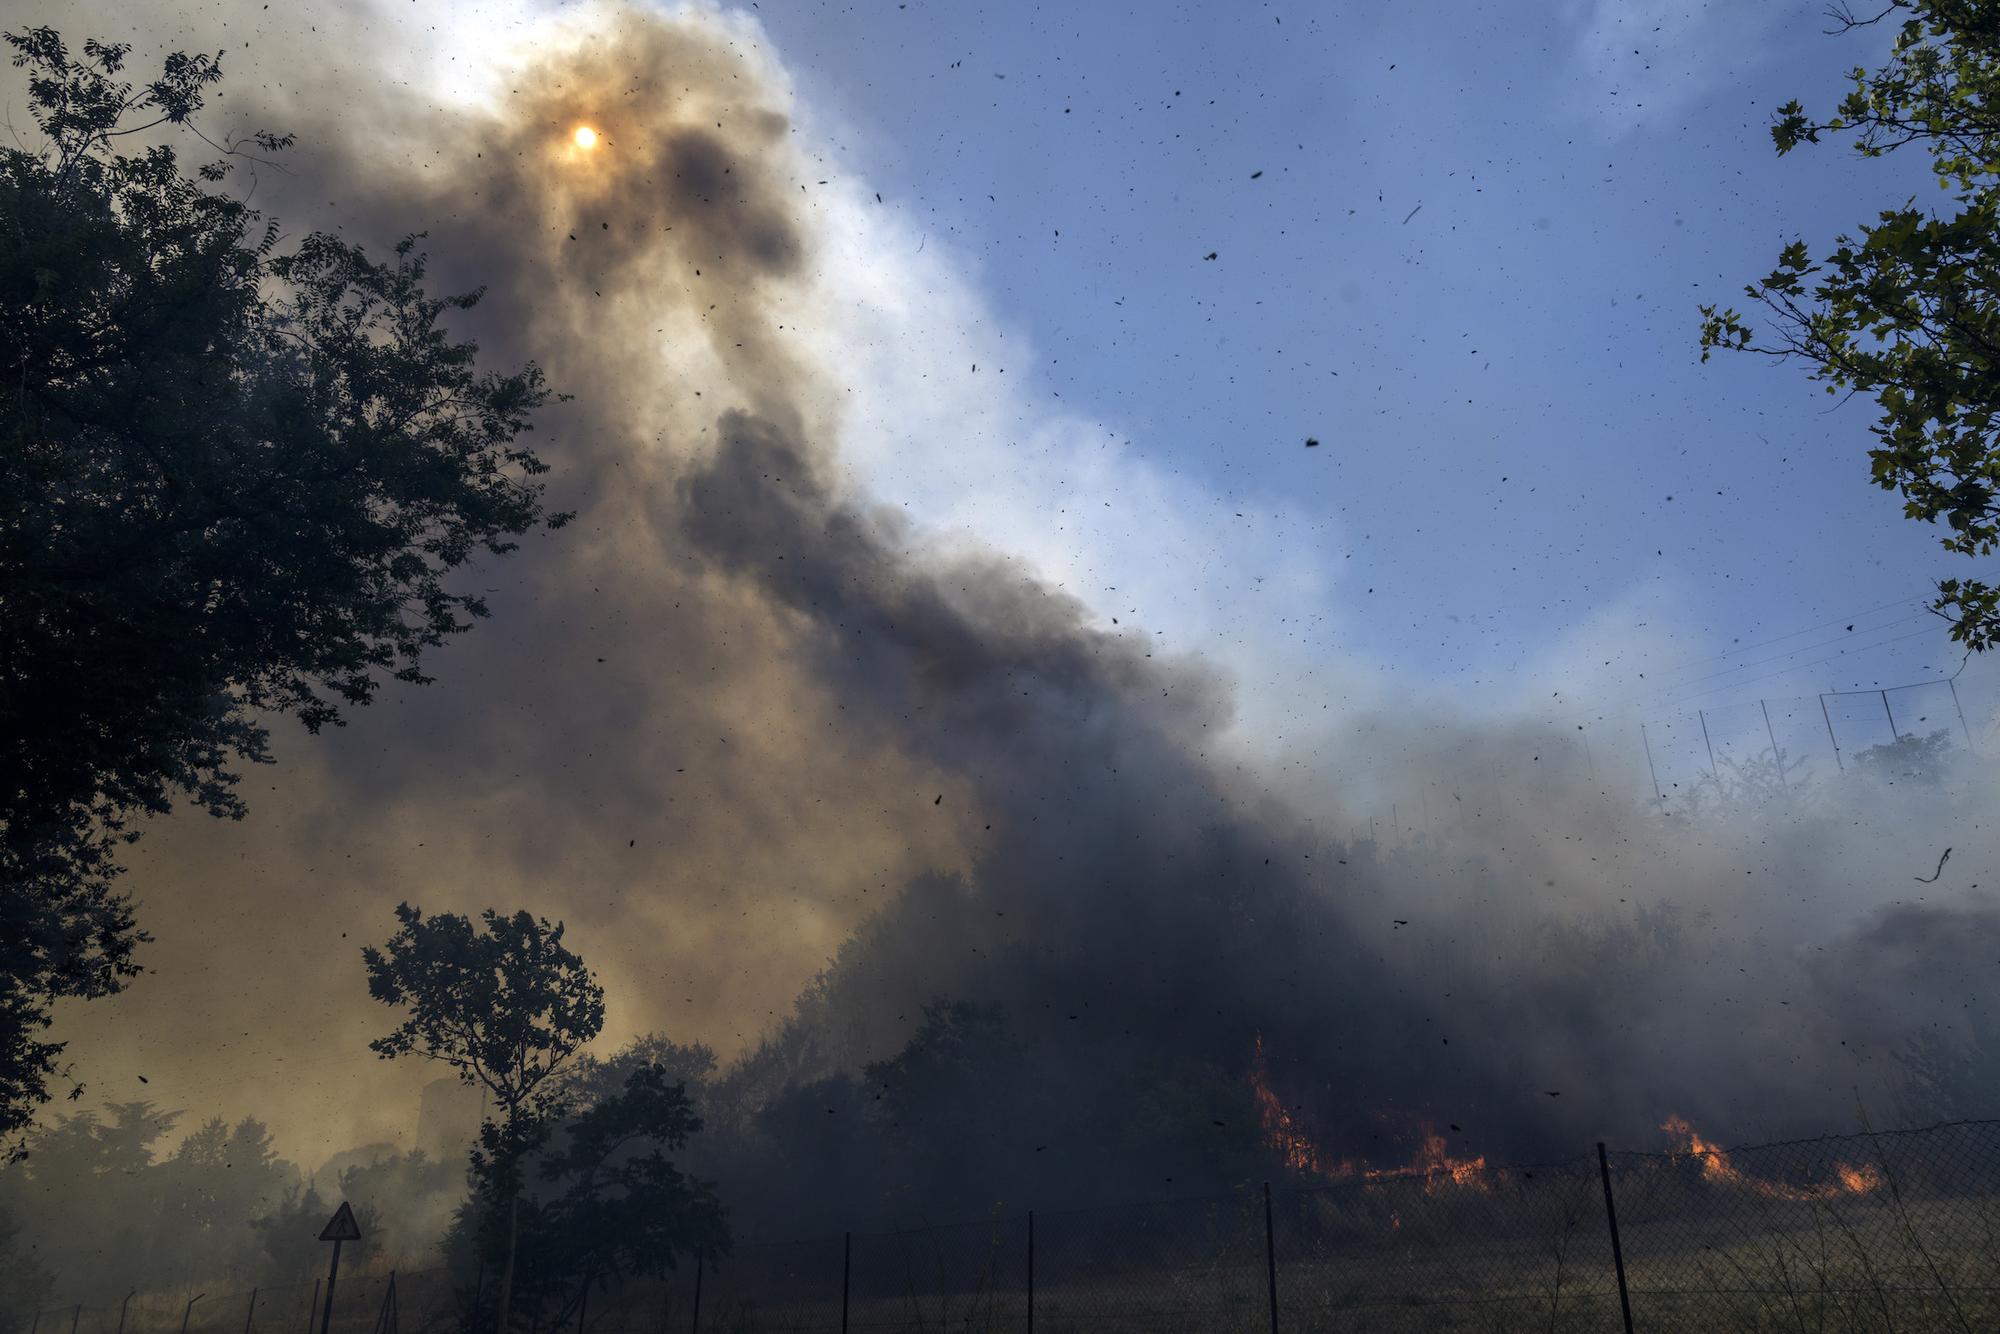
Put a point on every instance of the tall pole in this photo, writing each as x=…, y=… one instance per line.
x=699, y=1265
x=1270, y=1258
x=1830, y=736
x=1953, y=683
x=1706, y=742
x=1031, y=1271
x=1617, y=1251
x=332, y=1273
x=121, y=1309
x=313, y=1305
x=248, y=1316
x=846, y=1274
x=1648, y=744
x=188, y=1310
x=75, y=1316
x=1776, y=758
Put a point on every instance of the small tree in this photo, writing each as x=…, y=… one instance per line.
x=1736, y=787
x=1925, y=761
x=1951, y=1075
x=1909, y=311
x=506, y=1007
x=606, y=1203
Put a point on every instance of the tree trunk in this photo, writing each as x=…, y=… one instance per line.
x=507, y=1273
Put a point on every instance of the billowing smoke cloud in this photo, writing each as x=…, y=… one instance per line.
x=741, y=722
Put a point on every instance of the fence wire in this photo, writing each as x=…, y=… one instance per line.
x=1896, y=1231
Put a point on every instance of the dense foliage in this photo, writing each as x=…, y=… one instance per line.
x=1908, y=310
x=234, y=481
x=507, y=1007
x=600, y=1201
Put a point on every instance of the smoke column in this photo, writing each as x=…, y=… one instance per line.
x=745, y=727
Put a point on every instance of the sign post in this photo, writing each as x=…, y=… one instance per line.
x=341, y=1227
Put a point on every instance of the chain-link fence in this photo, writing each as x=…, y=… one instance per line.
x=1898, y=1231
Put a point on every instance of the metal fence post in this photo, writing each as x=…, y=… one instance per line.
x=385, y=1319
x=1647, y=742
x=1031, y=1271
x=846, y=1273
x=121, y=1309
x=1953, y=683
x=248, y=1316
x=1776, y=757
x=699, y=1265
x=1829, y=734
x=1270, y=1259
x=1617, y=1251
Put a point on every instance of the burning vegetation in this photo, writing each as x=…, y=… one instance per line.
x=1718, y=1170
x=1432, y=1161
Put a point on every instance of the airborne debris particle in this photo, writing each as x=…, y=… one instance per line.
x=1935, y=874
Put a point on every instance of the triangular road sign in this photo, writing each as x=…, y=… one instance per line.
x=341, y=1227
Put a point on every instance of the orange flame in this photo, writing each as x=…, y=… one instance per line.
x=1282, y=1132
x=1718, y=1170
x=1288, y=1139
x=1439, y=1167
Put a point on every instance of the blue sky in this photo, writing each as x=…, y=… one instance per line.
x=1470, y=268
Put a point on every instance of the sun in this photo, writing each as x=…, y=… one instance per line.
x=585, y=137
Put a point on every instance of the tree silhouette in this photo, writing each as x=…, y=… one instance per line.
x=506, y=1007
x=233, y=482
x=1909, y=311
x=601, y=1201
x=1766, y=779
x=1909, y=758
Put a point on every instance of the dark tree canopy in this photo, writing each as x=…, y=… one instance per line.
x=507, y=1007
x=601, y=1202
x=1908, y=311
x=235, y=479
